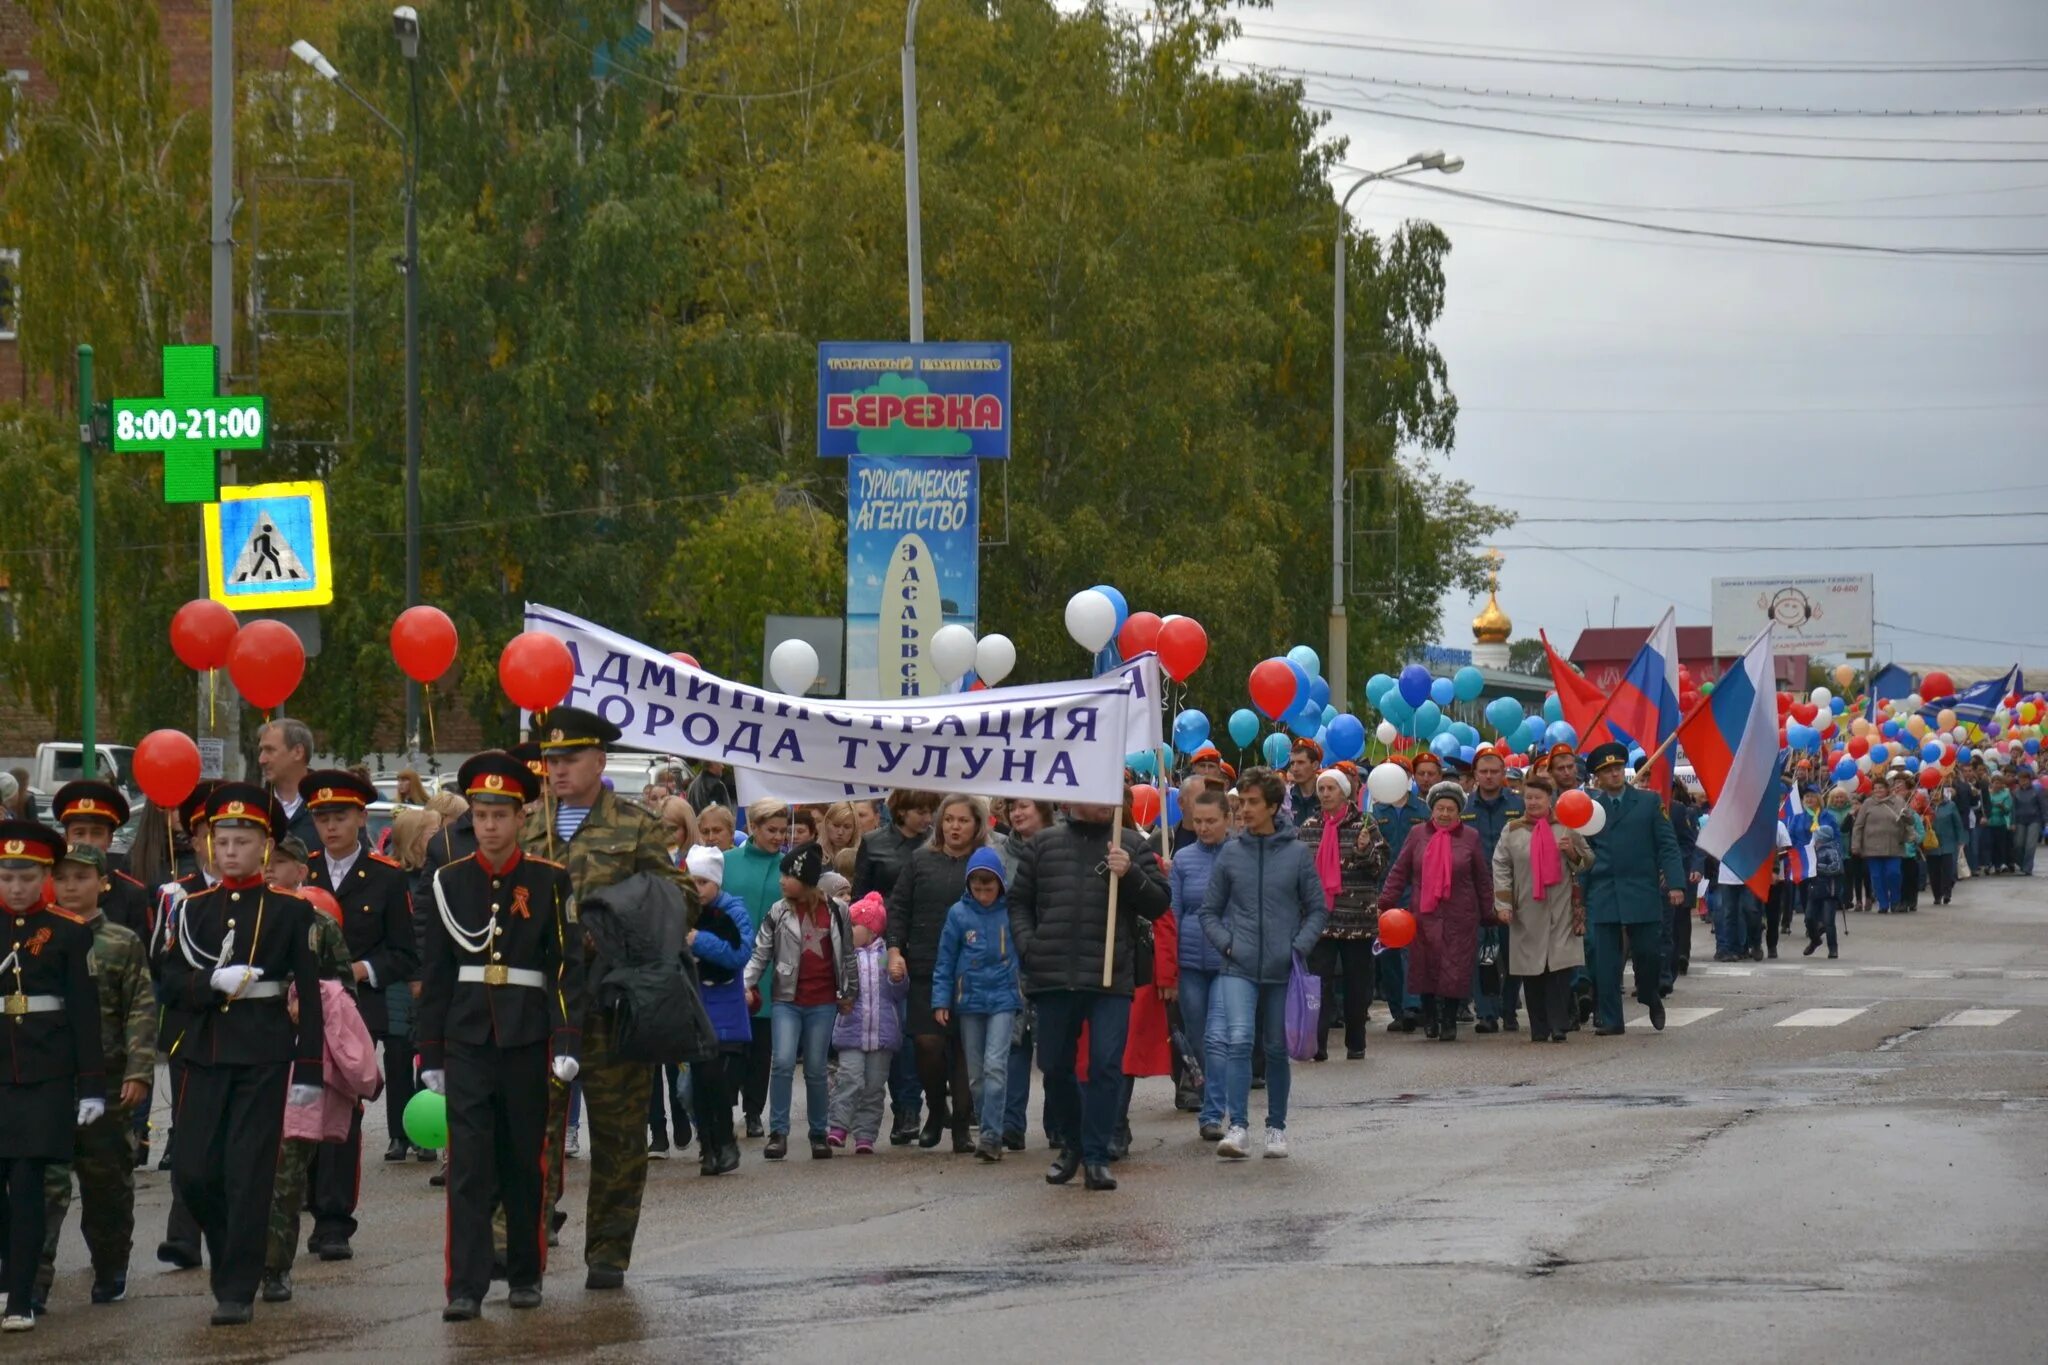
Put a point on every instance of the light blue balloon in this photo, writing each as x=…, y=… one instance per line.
x=1319, y=692
x=1244, y=726
x=1553, y=709
x=1465, y=733
x=1329, y=713
x=1533, y=731
x=1346, y=739
x=1304, y=723
x=1116, y=599
x=1276, y=749
x=1190, y=731
x=1443, y=746
x=1414, y=684
x=1442, y=691
x=1143, y=762
x=1376, y=687
x=1467, y=683
x=1635, y=757
x=1504, y=714
x=1311, y=662
x=1394, y=706
x=1467, y=752
x=1426, y=717
x=1557, y=732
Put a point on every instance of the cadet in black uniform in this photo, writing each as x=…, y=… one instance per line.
x=180, y=1248
x=237, y=945
x=51, y=1080
x=376, y=919
x=89, y=813
x=501, y=1002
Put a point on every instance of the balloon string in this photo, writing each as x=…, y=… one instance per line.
x=427, y=692
x=212, y=722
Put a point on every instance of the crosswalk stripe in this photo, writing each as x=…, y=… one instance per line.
x=1678, y=1016
x=1975, y=1019
x=1822, y=1018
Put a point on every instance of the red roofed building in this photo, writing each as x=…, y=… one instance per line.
x=1603, y=655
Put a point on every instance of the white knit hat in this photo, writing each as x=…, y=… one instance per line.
x=706, y=863
x=1337, y=775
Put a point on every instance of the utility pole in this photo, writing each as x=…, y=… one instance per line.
x=223, y=721
x=88, y=589
x=913, y=224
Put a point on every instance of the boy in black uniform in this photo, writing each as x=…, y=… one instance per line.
x=236, y=946
x=501, y=1001
x=180, y=1248
x=51, y=1081
x=376, y=919
x=88, y=813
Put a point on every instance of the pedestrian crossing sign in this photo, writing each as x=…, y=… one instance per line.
x=266, y=547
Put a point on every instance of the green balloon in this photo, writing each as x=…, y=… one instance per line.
x=426, y=1120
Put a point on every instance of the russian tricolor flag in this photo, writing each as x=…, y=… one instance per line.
x=1799, y=858
x=1644, y=704
x=1733, y=744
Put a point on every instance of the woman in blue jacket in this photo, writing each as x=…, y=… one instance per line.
x=976, y=979
x=722, y=942
x=1264, y=906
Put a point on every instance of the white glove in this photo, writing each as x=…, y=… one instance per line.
x=228, y=980
x=565, y=1069
x=303, y=1096
x=90, y=1111
x=436, y=1081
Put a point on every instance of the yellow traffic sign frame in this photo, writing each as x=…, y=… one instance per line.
x=319, y=595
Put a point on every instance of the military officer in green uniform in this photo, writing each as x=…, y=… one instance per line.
x=104, y=1155
x=602, y=839
x=1635, y=874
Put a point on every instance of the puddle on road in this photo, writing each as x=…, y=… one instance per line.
x=1522, y=1093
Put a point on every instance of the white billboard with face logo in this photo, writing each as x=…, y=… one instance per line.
x=1830, y=614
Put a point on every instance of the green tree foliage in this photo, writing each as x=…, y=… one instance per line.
x=628, y=263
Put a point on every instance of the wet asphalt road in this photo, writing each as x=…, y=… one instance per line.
x=1868, y=1190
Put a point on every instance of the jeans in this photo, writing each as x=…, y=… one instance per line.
x=1078, y=1116
x=1973, y=846
x=1885, y=881
x=1821, y=903
x=1731, y=934
x=986, y=1040
x=808, y=1027
x=2027, y=837
x=1197, y=1010
x=1241, y=1006
x=859, y=1092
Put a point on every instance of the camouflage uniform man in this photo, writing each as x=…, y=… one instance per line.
x=601, y=839
x=295, y=1156
x=104, y=1156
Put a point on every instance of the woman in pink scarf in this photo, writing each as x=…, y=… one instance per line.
x=1447, y=861
x=1535, y=890
x=1350, y=858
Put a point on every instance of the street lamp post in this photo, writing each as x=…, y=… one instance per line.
x=913, y=225
x=1336, y=661
x=405, y=25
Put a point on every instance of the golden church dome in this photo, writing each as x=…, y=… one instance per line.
x=1492, y=626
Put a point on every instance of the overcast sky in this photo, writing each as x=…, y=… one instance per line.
x=1603, y=372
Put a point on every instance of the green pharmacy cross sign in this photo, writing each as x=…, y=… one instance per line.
x=191, y=424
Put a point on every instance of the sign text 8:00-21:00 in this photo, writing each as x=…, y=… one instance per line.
x=199, y=424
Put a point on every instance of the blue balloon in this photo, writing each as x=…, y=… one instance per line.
x=1837, y=705
x=1143, y=762
x=1311, y=663
x=1442, y=691
x=1533, y=730
x=1190, y=731
x=1303, y=724
x=1376, y=687
x=1276, y=749
x=1965, y=754
x=1930, y=752
x=1116, y=599
x=1879, y=753
x=1395, y=706
x=1443, y=746
x=1799, y=736
x=1891, y=729
x=1467, y=752
x=1465, y=733
x=1467, y=683
x=1346, y=739
x=1244, y=726
x=1319, y=692
x=1172, y=806
x=1504, y=714
x=1635, y=757
x=1414, y=684
x=1912, y=763
x=1303, y=681
x=1845, y=770
x=1553, y=709
x=1557, y=732
x=1425, y=722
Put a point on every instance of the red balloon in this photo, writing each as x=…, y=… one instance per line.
x=1863, y=784
x=1140, y=634
x=1784, y=702
x=266, y=662
x=1804, y=712
x=166, y=765
x=1930, y=776
x=1574, y=809
x=536, y=670
x=680, y=657
x=323, y=901
x=1936, y=685
x=201, y=633
x=1948, y=756
x=1859, y=745
x=1144, y=803
x=423, y=642
x=1397, y=928
x=1272, y=687
x=1183, y=644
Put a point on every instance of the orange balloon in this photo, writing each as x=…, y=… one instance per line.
x=1397, y=928
x=1144, y=803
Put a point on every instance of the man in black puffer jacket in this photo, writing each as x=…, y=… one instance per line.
x=1059, y=914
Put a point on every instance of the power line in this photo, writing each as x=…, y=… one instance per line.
x=1753, y=412
x=1966, y=639
x=1865, y=547
x=1713, y=210
x=1971, y=492
x=1747, y=520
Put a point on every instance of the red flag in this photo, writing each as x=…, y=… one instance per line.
x=1584, y=704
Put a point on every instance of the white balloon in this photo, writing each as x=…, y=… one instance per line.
x=952, y=652
x=1595, y=822
x=1387, y=784
x=793, y=667
x=1821, y=696
x=994, y=657
x=1091, y=619
x=1913, y=702
x=1387, y=732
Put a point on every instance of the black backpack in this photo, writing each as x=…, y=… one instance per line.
x=644, y=975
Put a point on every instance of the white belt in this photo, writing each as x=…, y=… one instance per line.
x=498, y=975
x=32, y=1004
x=260, y=990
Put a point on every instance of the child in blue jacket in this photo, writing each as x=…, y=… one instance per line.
x=976, y=979
x=722, y=942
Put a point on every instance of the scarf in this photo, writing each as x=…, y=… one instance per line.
x=1436, y=867
x=1330, y=861
x=1546, y=869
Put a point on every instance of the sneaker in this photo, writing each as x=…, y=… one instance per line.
x=657, y=1145
x=864, y=1147
x=1234, y=1145
x=837, y=1137
x=1212, y=1131
x=18, y=1322
x=1276, y=1144
x=110, y=1291
x=574, y=1146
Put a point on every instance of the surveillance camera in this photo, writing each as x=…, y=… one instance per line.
x=405, y=23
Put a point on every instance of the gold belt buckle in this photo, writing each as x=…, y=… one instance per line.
x=17, y=1004
x=496, y=974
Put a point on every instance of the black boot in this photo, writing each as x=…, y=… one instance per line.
x=904, y=1131
x=1063, y=1167
x=1447, y=1022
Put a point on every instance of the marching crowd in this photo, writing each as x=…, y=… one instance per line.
x=915, y=958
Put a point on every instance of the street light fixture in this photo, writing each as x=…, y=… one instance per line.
x=1336, y=660
x=405, y=26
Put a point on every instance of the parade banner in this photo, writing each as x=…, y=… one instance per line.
x=931, y=398
x=1050, y=742
x=913, y=564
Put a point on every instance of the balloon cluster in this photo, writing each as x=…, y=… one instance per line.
x=1097, y=615
x=1421, y=711
x=1853, y=742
